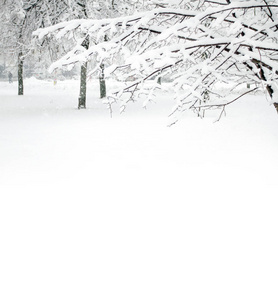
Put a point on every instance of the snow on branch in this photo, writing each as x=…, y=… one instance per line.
x=204, y=54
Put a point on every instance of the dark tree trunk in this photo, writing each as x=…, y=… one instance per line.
x=276, y=106
x=102, y=84
x=270, y=91
x=83, y=79
x=159, y=80
x=20, y=74
x=83, y=87
x=268, y=87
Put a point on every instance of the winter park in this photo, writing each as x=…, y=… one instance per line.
x=138, y=149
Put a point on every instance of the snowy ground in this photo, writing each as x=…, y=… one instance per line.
x=94, y=207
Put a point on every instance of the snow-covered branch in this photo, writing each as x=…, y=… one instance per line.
x=221, y=44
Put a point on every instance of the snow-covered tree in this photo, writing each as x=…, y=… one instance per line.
x=82, y=10
x=12, y=16
x=18, y=20
x=198, y=45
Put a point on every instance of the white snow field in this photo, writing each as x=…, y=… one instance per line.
x=94, y=207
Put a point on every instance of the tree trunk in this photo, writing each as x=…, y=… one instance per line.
x=83, y=79
x=268, y=87
x=270, y=92
x=159, y=80
x=83, y=87
x=102, y=84
x=276, y=106
x=20, y=74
